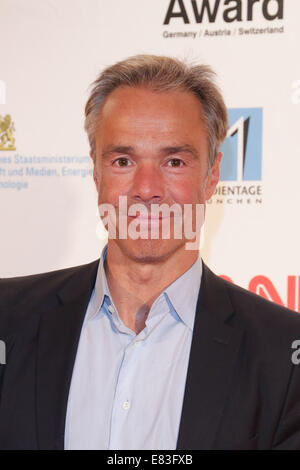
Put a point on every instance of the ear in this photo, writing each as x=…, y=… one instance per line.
x=213, y=177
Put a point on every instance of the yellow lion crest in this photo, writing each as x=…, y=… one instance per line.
x=7, y=141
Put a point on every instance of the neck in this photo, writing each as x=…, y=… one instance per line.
x=134, y=285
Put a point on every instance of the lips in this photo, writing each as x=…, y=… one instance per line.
x=146, y=217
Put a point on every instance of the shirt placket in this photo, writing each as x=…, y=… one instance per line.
x=123, y=400
x=124, y=409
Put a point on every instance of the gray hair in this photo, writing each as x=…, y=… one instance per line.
x=161, y=73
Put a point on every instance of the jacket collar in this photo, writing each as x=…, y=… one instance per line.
x=213, y=355
x=59, y=333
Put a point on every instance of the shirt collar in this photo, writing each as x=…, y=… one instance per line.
x=184, y=291
x=181, y=295
x=101, y=288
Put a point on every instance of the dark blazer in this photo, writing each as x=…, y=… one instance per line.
x=242, y=389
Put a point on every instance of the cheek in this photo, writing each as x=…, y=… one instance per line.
x=107, y=194
x=110, y=188
x=189, y=192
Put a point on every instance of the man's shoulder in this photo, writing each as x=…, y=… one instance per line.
x=13, y=286
x=258, y=308
x=22, y=294
x=269, y=333
x=255, y=312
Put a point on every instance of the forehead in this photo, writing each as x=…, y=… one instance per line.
x=139, y=110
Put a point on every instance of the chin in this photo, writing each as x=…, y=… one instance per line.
x=149, y=251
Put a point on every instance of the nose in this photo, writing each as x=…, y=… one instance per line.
x=148, y=184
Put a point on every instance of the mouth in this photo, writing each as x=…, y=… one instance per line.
x=149, y=218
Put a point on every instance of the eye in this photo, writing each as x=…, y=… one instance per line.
x=121, y=162
x=175, y=163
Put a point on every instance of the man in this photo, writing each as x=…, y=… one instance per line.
x=148, y=349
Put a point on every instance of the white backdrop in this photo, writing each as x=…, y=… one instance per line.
x=51, y=50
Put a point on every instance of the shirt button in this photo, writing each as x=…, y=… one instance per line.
x=126, y=405
x=137, y=342
x=111, y=309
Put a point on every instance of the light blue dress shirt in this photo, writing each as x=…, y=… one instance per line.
x=127, y=389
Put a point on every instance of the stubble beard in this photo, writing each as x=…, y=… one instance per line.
x=148, y=251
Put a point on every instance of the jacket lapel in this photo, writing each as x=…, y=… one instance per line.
x=59, y=334
x=214, y=353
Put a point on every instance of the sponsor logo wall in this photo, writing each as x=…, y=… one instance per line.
x=54, y=50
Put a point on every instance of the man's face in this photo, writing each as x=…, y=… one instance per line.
x=152, y=147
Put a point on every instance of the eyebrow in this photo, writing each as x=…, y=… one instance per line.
x=179, y=149
x=111, y=149
x=169, y=150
